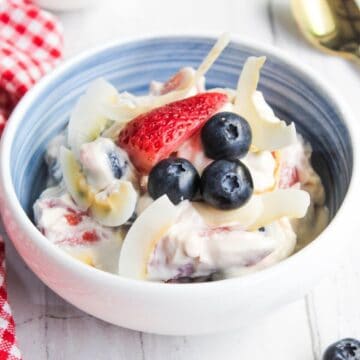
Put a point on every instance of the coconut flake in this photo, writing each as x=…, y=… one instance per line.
x=268, y=131
x=114, y=205
x=143, y=235
x=260, y=210
x=87, y=121
x=214, y=53
x=244, y=216
x=289, y=203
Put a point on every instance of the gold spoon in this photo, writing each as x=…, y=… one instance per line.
x=331, y=25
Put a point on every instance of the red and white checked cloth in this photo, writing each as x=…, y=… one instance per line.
x=31, y=44
x=8, y=347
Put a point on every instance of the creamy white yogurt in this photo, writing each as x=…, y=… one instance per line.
x=75, y=231
x=96, y=159
x=192, y=249
x=262, y=166
x=317, y=217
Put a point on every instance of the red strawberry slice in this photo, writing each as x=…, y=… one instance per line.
x=153, y=136
x=177, y=81
x=289, y=176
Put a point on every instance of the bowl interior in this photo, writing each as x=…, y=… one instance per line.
x=292, y=94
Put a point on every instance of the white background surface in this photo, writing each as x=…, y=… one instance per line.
x=49, y=328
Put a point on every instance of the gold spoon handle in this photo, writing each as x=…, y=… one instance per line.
x=331, y=25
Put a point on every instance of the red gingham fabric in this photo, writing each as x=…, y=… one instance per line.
x=8, y=347
x=31, y=44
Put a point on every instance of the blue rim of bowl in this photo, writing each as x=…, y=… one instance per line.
x=342, y=215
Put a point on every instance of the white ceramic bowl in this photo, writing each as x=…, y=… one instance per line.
x=296, y=94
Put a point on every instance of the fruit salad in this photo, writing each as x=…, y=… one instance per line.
x=184, y=184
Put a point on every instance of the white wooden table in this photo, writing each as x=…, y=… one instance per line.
x=49, y=328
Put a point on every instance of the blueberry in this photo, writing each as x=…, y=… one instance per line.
x=118, y=165
x=226, y=135
x=175, y=177
x=226, y=184
x=345, y=349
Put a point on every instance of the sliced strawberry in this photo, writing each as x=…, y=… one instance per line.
x=289, y=176
x=177, y=81
x=153, y=136
x=73, y=219
x=90, y=236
